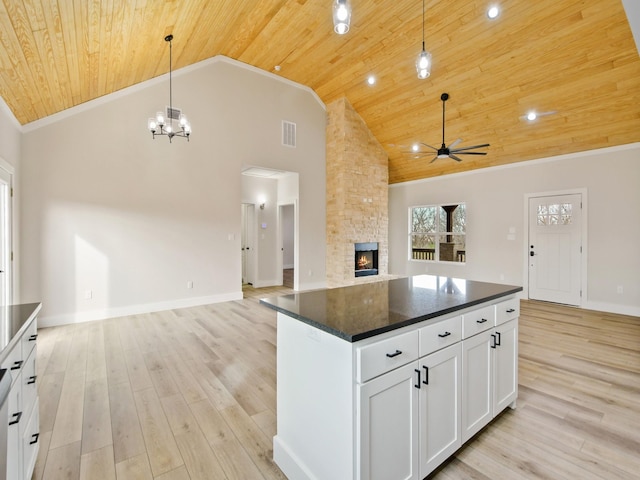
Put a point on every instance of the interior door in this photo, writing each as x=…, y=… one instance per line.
x=555, y=248
x=248, y=212
x=5, y=237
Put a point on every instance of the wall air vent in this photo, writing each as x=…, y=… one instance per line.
x=174, y=113
x=288, y=134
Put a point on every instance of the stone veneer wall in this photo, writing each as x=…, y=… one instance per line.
x=357, y=194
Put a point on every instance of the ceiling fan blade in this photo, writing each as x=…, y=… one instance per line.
x=469, y=153
x=455, y=143
x=471, y=147
x=432, y=148
x=434, y=159
x=457, y=159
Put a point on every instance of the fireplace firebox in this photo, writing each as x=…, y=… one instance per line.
x=366, y=259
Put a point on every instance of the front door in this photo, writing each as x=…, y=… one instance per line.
x=555, y=248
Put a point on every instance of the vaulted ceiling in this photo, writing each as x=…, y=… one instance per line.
x=576, y=58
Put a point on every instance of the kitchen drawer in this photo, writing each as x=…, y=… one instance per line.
x=14, y=362
x=440, y=335
x=478, y=321
x=386, y=355
x=507, y=310
x=29, y=338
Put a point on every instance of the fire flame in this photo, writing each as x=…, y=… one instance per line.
x=363, y=262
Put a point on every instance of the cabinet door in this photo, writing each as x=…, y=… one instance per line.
x=388, y=426
x=440, y=398
x=505, y=367
x=477, y=394
x=16, y=422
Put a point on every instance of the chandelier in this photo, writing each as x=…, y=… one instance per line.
x=162, y=123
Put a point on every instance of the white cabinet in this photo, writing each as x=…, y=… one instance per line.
x=439, y=412
x=490, y=375
x=22, y=411
x=388, y=413
x=396, y=405
x=409, y=417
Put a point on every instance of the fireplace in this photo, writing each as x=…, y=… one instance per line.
x=366, y=259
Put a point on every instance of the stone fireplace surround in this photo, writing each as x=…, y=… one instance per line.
x=357, y=194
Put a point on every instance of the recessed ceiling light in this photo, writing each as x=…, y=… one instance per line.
x=371, y=80
x=415, y=147
x=493, y=11
x=531, y=116
x=277, y=68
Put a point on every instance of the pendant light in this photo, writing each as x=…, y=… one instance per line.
x=423, y=62
x=341, y=16
x=162, y=124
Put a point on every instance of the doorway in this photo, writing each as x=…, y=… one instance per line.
x=5, y=236
x=555, y=249
x=286, y=214
x=247, y=243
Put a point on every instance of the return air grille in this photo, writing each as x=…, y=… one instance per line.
x=288, y=134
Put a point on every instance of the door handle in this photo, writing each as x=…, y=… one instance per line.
x=417, y=385
x=532, y=254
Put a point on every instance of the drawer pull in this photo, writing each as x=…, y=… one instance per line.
x=35, y=437
x=394, y=354
x=481, y=321
x=445, y=334
x=417, y=385
x=32, y=380
x=33, y=337
x=17, y=417
x=493, y=345
x=511, y=310
x=498, y=339
x=17, y=365
x=426, y=375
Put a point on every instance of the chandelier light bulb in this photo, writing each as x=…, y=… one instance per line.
x=160, y=118
x=152, y=125
x=183, y=120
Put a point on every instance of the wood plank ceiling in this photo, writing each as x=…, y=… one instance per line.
x=575, y=57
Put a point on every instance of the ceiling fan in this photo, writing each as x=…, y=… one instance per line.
x=450, y=151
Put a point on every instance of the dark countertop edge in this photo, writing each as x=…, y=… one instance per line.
x=389, y=328
x=14, y=340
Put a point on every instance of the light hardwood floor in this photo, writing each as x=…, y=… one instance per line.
x=190, y=394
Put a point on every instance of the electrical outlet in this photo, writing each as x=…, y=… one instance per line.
x=189, y=284
x=620, y=290
x=88, y=294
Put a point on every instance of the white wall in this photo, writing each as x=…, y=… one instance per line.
x=495, y=199
x=107, y=209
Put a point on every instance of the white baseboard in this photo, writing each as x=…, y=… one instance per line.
x=267, y=283
x=89, y=316
x=288, y=463
x=632, y=310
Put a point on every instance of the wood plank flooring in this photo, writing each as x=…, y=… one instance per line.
x=191, y=394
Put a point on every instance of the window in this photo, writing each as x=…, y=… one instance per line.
x=438, y=233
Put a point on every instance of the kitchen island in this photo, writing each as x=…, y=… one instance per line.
x=386, y=380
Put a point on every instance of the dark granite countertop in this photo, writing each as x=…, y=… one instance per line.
x=13, y=321
x=357, y=312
